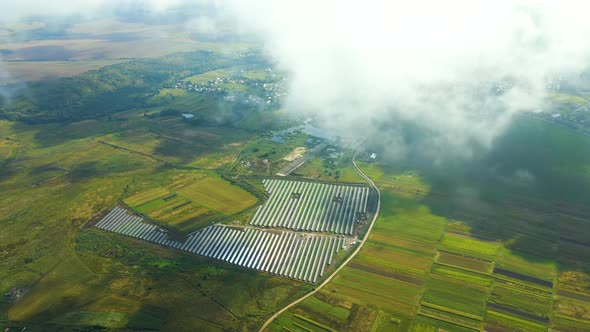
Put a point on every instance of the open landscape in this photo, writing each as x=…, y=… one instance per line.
x=271, y=166
x=434, y=261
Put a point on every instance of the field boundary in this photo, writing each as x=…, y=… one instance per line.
x=354, y=253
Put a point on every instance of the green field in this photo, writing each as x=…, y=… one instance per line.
x=461, y=274
x=177, y=212
x=395, y=259
x=526, y=264
x=464, y=262
x=520, y=299
x=490, y=248
x=208, y=76
x=503, y=321
x=189, y=200
x=469, y=247
x=370, y=288
x=218, y=195
x=454, y=294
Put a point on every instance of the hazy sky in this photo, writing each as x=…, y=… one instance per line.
x=359, y=65
x=15, y=10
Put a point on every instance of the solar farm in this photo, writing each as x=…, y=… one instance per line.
x=312, y=206
x=285, y=253
x=273, y=241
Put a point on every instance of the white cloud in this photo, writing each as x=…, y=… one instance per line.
x=355, y=64
x=361, y=65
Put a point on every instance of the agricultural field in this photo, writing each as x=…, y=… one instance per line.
x=218, y=195
x=191, y=200
x=518, y=299
x=311, y=206
x=233, y=74
x=508, y=258
x=456, y=296
x=26, y=71
x=49, y=52
x=464, y=262
x=465, y=246
x=174, y=210
x=532, y=268
x=206, y=77
x=285, y=254
x=384, y=283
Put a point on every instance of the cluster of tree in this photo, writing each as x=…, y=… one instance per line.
x=110, y=89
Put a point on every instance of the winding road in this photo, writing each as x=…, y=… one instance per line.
x=358, y=248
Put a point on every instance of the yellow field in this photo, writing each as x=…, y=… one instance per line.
x=206, y=77
x=24, y=71
x=190, y=200
x=218, y=195
x=464, y=262
x=171, y=92
x=146, y=196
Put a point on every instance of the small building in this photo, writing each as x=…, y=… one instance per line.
x=188, y=115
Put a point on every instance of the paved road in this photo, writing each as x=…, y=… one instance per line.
x=358, y=248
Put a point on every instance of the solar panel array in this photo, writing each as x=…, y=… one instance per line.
x=286, y=254
x=121, y=221
x=312, y=206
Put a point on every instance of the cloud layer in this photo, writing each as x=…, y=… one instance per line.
x=430, y=64
x=456, y=71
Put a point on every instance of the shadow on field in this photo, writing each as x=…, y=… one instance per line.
x=190, y=142
x=54, y=134
x=530, y=190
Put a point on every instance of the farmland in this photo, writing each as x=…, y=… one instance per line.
x=310, y=206
x=53, y=53
x=191, y=200
x=25, y=71
x=438, y=259
x=218, y=195
x=469, y=247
